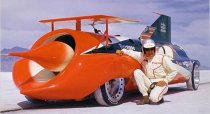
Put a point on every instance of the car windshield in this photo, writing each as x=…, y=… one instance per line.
x=180, y=51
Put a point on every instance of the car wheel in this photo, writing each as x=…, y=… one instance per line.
x=111, y=92
x=194, y=81
x=32, y=100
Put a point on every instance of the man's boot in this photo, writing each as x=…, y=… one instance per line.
x=161, y=101
x=143, y=101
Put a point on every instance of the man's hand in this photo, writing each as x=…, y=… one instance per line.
x=119, y=52
x=161, y=83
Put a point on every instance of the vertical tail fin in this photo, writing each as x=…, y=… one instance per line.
x=159, y=31
x=163, y=29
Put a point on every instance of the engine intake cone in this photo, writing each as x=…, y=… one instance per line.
x=53, y=56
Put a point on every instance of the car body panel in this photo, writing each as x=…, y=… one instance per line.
x=94, y=62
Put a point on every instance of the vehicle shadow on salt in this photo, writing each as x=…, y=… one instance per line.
x=136, y=96
x=129, y=97
x=26, y=105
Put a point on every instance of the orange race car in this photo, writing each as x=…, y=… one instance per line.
x=67, y=64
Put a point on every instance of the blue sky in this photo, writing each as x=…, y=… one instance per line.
x=190, y=20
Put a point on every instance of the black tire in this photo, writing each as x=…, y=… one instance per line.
x=194, y=81
x=32, y=100
x=111, y=93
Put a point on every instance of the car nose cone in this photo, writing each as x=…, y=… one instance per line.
x=53, y=56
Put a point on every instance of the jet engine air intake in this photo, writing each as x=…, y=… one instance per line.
x=54, y=61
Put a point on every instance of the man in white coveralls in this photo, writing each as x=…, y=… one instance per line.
x=158, y=70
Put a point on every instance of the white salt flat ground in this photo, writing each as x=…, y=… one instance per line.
x=179, y=100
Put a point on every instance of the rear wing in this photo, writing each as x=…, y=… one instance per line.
x=89, y=20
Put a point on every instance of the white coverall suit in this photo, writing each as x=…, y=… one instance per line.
x=159, y=68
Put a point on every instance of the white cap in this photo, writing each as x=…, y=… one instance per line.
x=148, y=43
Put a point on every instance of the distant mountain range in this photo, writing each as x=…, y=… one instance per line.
x=7, y=62
x=204, y=68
